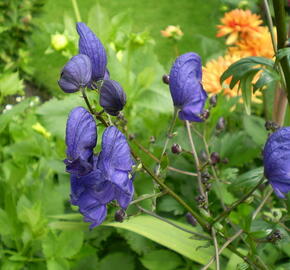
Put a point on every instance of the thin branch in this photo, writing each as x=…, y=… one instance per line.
x=140, y=199
x=76, y=10
x=173, y=224
x=237, y=203
x=216, y=247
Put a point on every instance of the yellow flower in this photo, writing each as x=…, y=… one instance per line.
x=172, y=31
x=41, y=129
x=237, y=22
x=212, y=72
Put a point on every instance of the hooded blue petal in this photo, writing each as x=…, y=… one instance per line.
x=91, y=46
x=112, y=97
x=81, y=138
x=185, y=86
x=76, y=73
x=277, y=161
x=115, y=163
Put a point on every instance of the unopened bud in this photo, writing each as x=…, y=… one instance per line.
x=131, y=137
x=221, y=124
x=203, y=156
x=165, y=79
x=225, y=161
x=274, y=236
x=205, y=114
x=207, y=186
x=215, y=158
x=270, y=125
x=200, y=200
x=176, y=149
x=190, y=219
x=120, y=215
x=213, y=100
x=205, y=176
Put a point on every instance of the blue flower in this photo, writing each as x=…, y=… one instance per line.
x=76, y=73
x=91, y=46
x=99, y=179
x=112, y=97
x=81, y=138
x=185, y=87
x=277, y=161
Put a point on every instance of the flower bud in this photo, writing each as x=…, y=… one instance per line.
x=176, y=148
x=205, y=176
x=112, y=97
x=221, y=124
x=59, y=41
x=205, y=114
x=131, y=137
x=152, y=139
x=270, y=125
x=274, y=236
x=190, y=219
x=200, y=200
x=120, y=215
x=215, y=158
x=76, y=73
x=203, y=156
x=213, y=100
x=165, y=79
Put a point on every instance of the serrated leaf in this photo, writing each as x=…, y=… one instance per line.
x=69, y=244
x=117, y=260
x=155, y=260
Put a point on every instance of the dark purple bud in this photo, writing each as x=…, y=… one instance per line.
x=213, y=100
x=207, y=187
x=268, y=125
x=120, y=215
x=274, y=236
x=185, y=87
x=76, y=73
x=215, y=158
x=91, y=46
x=112, y=97
x=200, y=200
x=205, y=114
x=190, y=219
x=277, y=161
x=176, y=148
x=205, y=176
x=203, y=156
x=165, y=79
x=221, y=124
x=131, y=137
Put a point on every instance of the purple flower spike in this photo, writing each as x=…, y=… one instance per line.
x=277, y=161
x=115, y=163
x=76, y=73
x=81, y=138
x=91, y=46
x=185, y=87
x=112, y=97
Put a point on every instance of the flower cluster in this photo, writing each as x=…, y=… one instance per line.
x=97, y=179
x=89, y=69
x=185, y=87
x=277, y=161
x=245, y=37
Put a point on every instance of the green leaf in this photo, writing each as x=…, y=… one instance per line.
x=168, y=204
x=247, y=180
x=168, y=236
x=266, y=78
x=155, y=260
x=283, y=52
x=10, y=84
x=117, y=260
x=57, y=264
x=255, y=127
x=69, y=244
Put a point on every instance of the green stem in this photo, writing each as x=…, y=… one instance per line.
x=76, y=10
x=237, y=203
x=146, y=197
x=168, y=137
x=280, y=18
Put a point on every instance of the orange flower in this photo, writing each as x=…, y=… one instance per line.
x=256, y=44
x=213, y=71
x=172, y=31
x=238, y=22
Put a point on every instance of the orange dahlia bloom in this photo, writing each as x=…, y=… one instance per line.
x=237, y=22
x=214, y=69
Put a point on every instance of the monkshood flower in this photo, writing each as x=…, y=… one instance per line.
x=91, y=46
x=96, y=180
x=185, y=87
x=112, y=97
x=277, y=161
x=81, y=138
x=76, y=73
